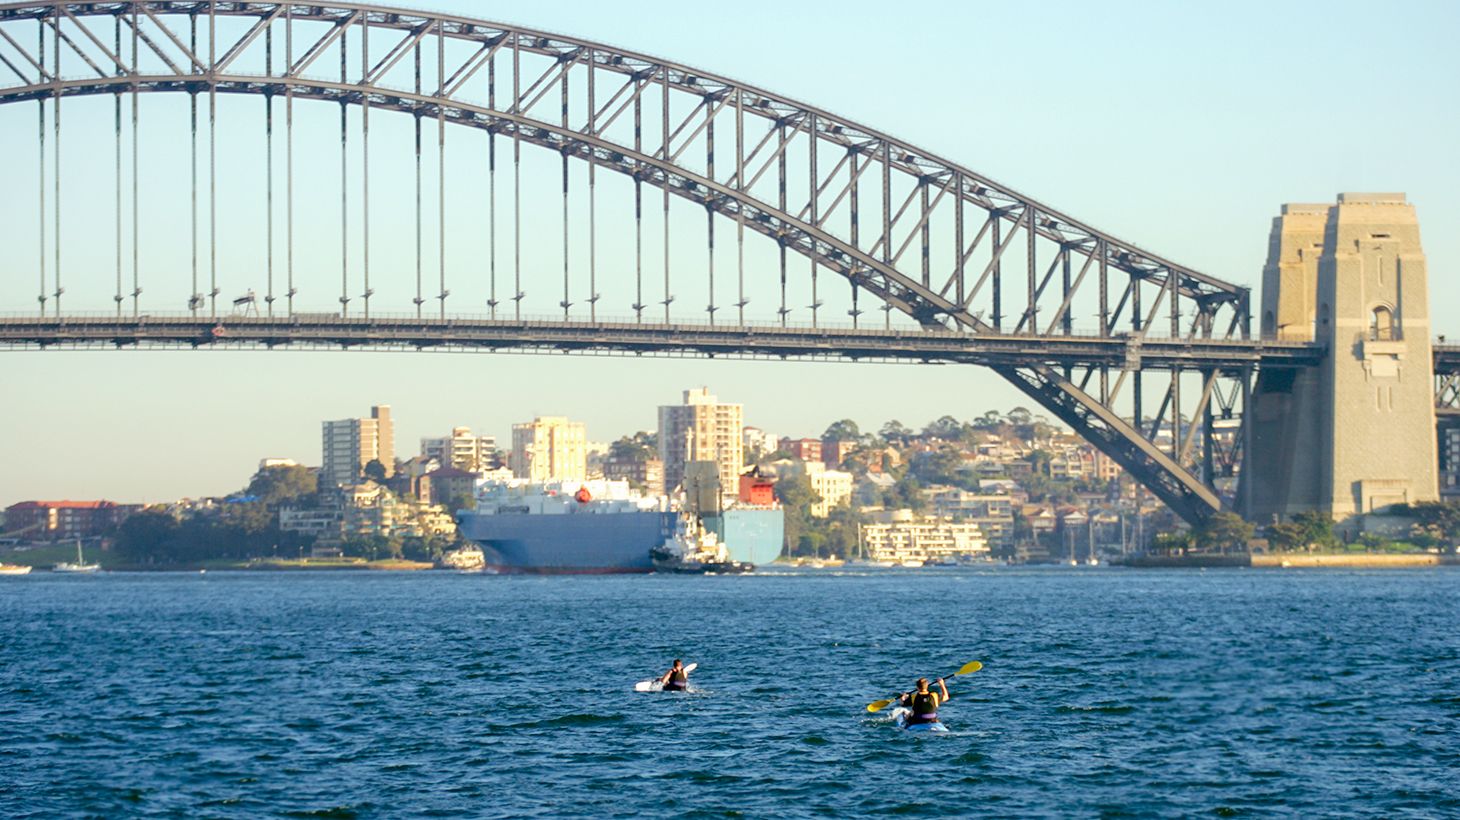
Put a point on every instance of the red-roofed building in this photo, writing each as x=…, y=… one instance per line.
x=54, y=520
x=806, y=449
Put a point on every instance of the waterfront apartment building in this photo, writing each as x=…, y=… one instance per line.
x=702, y=429
x=350, y=444
x=364, y=510
x=550, y=448
x=992, y=513
x=59, y=520
x=901, y=536
x=462, y=450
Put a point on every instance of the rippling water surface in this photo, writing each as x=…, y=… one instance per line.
x=388, y=695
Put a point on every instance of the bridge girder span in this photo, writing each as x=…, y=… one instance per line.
x=917, y=188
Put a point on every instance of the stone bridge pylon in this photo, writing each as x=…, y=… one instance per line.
x=1356, y=434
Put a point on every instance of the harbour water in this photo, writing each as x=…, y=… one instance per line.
x=1125, y=692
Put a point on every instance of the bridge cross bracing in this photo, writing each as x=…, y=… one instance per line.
x=791, y=227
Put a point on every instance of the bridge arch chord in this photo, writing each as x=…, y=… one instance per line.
x=940, y=243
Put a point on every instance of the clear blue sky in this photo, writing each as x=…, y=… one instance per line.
x=1179, y=126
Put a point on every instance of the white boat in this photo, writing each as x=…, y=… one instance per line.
x=13, y=569
x=79, y=566
x=911, y=563
x=467, y=559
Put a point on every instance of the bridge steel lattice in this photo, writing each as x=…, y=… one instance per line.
x=985, y=274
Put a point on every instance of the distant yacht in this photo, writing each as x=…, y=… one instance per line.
x=79, y=566
x=13, y=569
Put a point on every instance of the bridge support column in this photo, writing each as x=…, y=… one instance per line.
x=1354, y=435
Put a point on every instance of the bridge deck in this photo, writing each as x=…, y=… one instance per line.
x=329, y=331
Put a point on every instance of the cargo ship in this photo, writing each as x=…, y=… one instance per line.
x=600, y=526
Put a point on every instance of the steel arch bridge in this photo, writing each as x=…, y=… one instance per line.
x=977, y=272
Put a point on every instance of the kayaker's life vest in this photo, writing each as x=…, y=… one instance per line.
x=677, y=680
x=924, y=705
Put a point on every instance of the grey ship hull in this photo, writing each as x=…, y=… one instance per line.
x=584, y=543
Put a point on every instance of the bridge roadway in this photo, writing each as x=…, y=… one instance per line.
x=742, y=341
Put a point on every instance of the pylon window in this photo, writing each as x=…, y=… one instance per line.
x=1381, y=324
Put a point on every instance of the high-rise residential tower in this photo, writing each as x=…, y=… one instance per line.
x=702, y=429
x=550, y=448
x=350, y=444
x=462, y=450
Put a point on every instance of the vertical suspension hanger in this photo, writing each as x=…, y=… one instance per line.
x=517, y=293
x=195, y=299
x=56, y=152
x=441, y=161
x=117, y=49
x=638, y=209
x=853, y=228
x=592, y=193
x=344, y=179
x=365, y=165
x=492, y=185
x=269, y=167
x=958, y=237
x=136, y=197
x=289, y=152
x=709, y=200
x=567, y=301
x=887, y=221
x=212, y=161
x=420, y=236
x=41, y=172
x=664, y=116
x=781, y=203
x=1031, y=228
x=740, y=301
x=814, y=181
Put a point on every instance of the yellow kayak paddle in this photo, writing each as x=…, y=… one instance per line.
x=967, y=668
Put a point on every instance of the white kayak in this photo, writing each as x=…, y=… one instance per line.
x=901, y=714
x=657, y=685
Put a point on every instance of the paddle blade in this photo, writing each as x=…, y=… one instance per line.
x=971, y=666
x=690, y=667
x=878, y=705
x=644, y=686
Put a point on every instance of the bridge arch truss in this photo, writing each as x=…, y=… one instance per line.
x=848, y=208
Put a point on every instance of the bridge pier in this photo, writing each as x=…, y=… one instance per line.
x=1356, y=434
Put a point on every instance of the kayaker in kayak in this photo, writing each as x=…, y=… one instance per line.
x=676, y=679
x=922, y=704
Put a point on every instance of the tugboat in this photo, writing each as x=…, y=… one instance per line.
x=469, y=558
x=695, y=550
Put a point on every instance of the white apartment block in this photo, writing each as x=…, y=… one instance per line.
x=461, y=450
x=758, y=442
x=834, y=487
x=904, y=538
x=550, y=448
x=350, y=444
x=702, y=429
